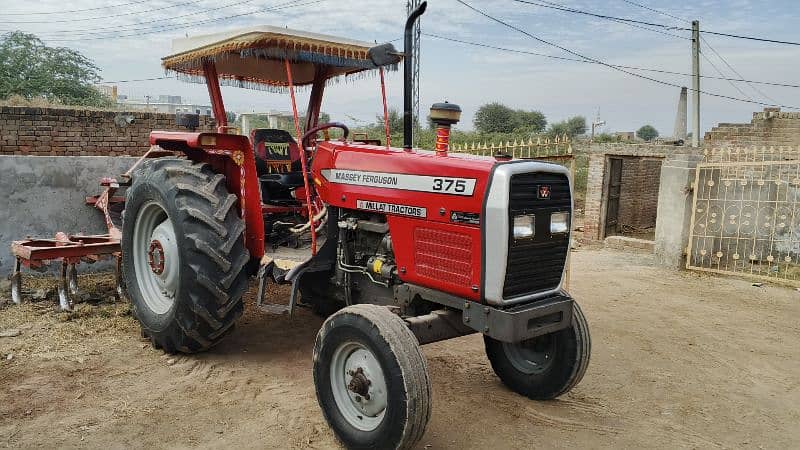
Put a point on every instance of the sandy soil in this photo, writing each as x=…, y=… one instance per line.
x=679, y=360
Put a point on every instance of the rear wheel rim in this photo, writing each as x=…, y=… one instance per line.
x=532, y=357
x=359, y=386
x=156, y=258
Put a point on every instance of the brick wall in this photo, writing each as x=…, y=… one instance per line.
x=80, y=132
x=770, y=127
x=641, y=171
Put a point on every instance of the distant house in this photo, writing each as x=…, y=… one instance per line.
x=168, y=104
x=271, y=119
x=626, y=136
x=109, y=91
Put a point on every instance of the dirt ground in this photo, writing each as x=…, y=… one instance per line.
x=679, y=360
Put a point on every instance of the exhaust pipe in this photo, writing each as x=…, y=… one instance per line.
x=408, y=78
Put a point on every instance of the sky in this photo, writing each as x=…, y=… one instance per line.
x=127, y=38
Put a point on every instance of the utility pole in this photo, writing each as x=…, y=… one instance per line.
x=596, y=124
x=696, y=83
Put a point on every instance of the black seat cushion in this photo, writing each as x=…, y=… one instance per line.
x=276, y=188
x=289, y=180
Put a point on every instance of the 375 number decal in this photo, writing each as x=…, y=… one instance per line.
x=449, y=185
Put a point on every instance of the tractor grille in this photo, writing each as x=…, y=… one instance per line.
x=535, y=265
x=443, y=255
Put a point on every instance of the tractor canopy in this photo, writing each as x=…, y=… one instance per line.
x=254, y=57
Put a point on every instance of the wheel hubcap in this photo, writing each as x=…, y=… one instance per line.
x=359, y=386
x=533, y=356
x=156, y=258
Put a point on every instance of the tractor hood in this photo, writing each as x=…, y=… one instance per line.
x=346, y=173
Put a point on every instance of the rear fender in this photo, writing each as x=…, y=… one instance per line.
x=231, y=155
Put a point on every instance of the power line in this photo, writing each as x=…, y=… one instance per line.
x=563, y=58
x=133, y=81
x=759, y=91
x=572, y=52
x=708, y=44
x=752, y=38
x=92, y=31
x=735, y=86
x=546, y=4
x=113, y=16
x=169, y=27
x=652, y=24
x=72, y=11
x=656, y=11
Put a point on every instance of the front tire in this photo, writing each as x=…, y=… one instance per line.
x=547, y=366
x=371, y=379
x=183, y=254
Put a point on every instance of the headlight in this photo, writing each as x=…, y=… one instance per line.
x=524, y=226
x=559, y=223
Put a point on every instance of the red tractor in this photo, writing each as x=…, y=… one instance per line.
x=407, y=246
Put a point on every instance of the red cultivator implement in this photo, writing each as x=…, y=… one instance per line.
x=69, y=250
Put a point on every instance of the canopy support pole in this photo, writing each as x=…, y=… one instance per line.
x=303, y=162
x=385, y=111
x=215, y=94
x=315, y=99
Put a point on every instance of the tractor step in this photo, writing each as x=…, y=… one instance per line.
x=277, y=310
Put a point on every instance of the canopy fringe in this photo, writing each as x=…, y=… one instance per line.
x=271, y=86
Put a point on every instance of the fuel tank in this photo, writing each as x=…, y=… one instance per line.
x=433, y=205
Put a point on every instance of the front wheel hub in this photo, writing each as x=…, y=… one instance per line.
x=359, y=386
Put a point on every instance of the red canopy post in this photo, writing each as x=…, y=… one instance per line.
x=214, y=92
x=315, y=99
x=303, y=162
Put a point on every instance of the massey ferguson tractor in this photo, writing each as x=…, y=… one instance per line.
x=403, y=246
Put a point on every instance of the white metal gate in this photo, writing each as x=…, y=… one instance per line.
x=746, y=214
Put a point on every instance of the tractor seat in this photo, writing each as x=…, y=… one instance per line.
x=276, y=188
x=288, y=180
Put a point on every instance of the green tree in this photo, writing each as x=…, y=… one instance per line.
x=571, y=127
x=530, y=121
x=495, y=118
x=647, y=133
x=605, y=137
x=31, y=69
x=395, y=121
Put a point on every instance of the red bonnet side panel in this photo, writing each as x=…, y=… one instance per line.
x=433, y=248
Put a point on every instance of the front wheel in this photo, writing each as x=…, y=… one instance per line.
x=371, y=379
x=547, y=366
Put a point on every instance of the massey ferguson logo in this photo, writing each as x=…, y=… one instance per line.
x=544, y=192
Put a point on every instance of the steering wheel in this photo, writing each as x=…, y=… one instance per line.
x=313, y=132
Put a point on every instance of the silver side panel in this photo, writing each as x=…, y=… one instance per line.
x=496, y=229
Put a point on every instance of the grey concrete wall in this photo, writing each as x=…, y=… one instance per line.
x=42, y=195
x=674, y=209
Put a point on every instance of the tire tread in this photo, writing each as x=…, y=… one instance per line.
x=213, y=231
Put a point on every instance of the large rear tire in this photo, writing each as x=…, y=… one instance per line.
x=547, y=366
x=371, y=379
x=183, y=254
